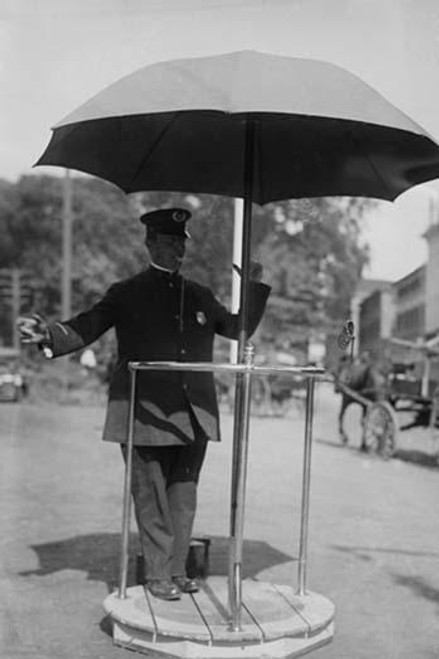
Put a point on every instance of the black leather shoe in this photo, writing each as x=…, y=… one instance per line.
x=164, y=589
x=185, y=584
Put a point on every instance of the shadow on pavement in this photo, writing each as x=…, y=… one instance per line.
x=106, y=625
x=418, y=586
x=364, y=553
x=257, y=556
x=98, y=555
x=328, y=442
x=418, y=457
x=413, y=456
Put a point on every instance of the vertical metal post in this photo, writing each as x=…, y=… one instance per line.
x=242, y=405
x=246, y=238
x=237, y=260
x=126, y=511
x=235, y=580
x=306, y=483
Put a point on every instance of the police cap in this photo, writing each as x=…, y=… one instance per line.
x=171, y=221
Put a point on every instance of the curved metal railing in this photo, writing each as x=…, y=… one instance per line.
x=246, y=370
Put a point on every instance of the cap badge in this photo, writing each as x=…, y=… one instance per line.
x=201, y=317
x=179, y=216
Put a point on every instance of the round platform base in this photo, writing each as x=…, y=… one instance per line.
x=275, y=622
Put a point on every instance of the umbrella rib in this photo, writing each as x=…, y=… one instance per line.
x=359, y=145
x=155, y=144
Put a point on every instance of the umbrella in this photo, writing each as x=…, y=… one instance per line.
x=183, y=125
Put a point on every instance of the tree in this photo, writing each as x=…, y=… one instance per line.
x=315, y=257
x=312, y=249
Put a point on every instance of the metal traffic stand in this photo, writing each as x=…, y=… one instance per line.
x=311, y=130
x=228, y=617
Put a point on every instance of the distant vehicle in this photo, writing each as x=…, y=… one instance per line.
x=408, y=389
x=271, y=395
x=12, y=381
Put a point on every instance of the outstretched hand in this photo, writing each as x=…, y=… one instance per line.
x=33, y=329
x=255, y=272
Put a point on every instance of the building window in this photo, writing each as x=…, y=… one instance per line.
x=411, y=321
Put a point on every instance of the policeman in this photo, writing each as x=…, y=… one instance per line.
x=159, y=315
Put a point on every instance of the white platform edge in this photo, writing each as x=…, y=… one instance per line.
x=162, y=646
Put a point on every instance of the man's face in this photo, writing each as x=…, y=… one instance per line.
x=167, y=251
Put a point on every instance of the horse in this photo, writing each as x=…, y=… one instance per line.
x=363, y=377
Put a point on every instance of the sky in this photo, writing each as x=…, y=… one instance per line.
x=55, y=54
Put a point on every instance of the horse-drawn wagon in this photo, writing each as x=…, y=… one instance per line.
x=392, y=401
x=361, y=382
x=415, y=398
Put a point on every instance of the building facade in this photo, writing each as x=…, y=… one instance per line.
x=410, y=305
x=365, y=289
x=376, y=319
x=432, y=280
x=407, y=309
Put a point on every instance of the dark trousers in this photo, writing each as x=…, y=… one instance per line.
x=164, y=489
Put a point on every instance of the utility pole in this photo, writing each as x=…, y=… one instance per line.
x=66, y=280
x=16, y=306
x=14, y=289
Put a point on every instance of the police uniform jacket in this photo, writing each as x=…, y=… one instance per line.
x=159, y=316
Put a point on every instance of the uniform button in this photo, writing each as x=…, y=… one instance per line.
x=183, y=351
x=185, y=386
x=177, y=317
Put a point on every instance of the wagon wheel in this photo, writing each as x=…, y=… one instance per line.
x=434, y=415
x=380, y=429
x=434, y=421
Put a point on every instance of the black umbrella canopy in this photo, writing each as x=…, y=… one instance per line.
x=183, y=125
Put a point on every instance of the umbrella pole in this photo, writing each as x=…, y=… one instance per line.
x=242, y=402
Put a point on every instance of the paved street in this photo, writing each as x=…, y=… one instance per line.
x=374, y=531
